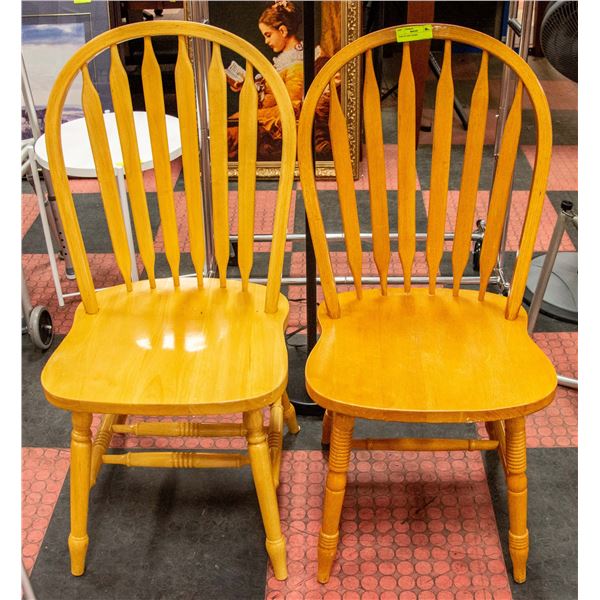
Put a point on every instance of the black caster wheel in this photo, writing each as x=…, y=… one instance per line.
x=40, y=327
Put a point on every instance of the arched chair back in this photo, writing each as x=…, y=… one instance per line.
x=526, y=80
x=256, y=62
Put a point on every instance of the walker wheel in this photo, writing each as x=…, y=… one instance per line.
x=40, y=327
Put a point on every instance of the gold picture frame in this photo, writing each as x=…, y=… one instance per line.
x=221, y=15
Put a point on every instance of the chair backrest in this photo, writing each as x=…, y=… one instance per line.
x=440, y=164
x=191, y=153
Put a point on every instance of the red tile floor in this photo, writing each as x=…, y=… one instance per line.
x=414, y=526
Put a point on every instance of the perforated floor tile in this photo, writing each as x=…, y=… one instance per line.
x=561, y=349
x=414, y=525
x=563, y=166
x=42, y=476
x=517, y=216
x=556, y=425
x=264, y=212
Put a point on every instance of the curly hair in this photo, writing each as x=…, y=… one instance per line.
x=284, y=13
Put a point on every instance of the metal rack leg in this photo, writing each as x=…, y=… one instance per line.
x=546, y=271
x=127, y=220
x=544, y=278
x=523, y=31
x=26, y=584
x=568, y=382
x=45, y=224
x=56, y=225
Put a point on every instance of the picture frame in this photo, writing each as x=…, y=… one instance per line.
x=242, y=18
x=50, y=33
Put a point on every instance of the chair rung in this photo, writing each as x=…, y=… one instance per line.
x=183, y=429
x=432, y=444
x=177, y=460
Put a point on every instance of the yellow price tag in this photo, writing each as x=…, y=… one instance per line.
x=411, y=33
x=82, y=1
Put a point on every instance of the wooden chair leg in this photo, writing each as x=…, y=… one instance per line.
x=260, y=462
x=339, y=457
x=326, y=430
x=81, y=452
x=276, y=440
x=289, y=414
x=102, y=442
x=516, y=463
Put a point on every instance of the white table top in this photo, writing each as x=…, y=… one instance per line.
x=77, y=151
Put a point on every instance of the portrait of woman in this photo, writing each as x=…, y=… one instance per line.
x=280, y=26
x=277, y=29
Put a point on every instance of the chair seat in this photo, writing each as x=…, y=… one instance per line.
x=172, y=352
x=417, y=357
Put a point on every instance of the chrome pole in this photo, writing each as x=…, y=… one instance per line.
x=50, y=206
x=420, y=236
x=26, y=584
x=201, y=61
x=568, y=382
x=566, y=212
x=523, y=29
x=29, y=103
x=546, y=271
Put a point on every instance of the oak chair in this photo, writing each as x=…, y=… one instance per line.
x=426, y=354
x=174, y=346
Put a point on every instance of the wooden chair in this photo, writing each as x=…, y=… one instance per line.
x=429, y=354
x=176, y=346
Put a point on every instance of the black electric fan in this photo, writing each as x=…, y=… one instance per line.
x=558, y=37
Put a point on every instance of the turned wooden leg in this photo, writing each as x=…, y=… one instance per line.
x=326, y=430
x=289, y=414
x=81, y=451
x=276, y=440
x=339, y=457
x=260, y=462
x=516, y=464
x=102, y=442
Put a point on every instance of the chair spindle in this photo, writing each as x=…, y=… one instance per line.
x=217, y=107
x=407, y=169
x=94, y=120
x=500, y=193
x=376, y=169
x=340, y=147
x=440, y=167
x=188, y=127
x=470, y=174
x=121, y=97
x=155, y=108
x=248, y=134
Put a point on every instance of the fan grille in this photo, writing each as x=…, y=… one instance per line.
x=558, y=36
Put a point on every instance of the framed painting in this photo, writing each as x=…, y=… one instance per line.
x=51, y=32
x=277, y=29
